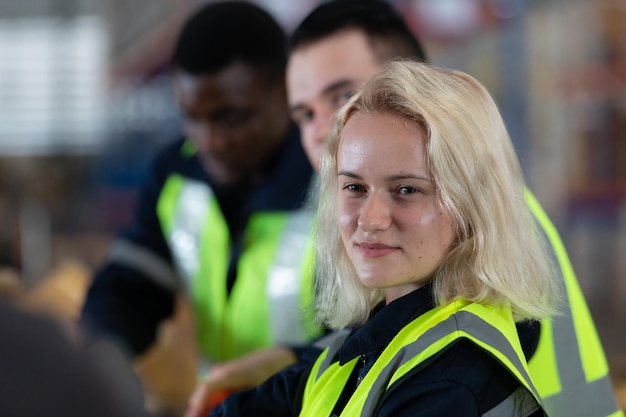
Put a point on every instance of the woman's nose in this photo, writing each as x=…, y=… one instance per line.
x=375, y=214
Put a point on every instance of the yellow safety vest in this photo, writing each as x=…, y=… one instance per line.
x=269, y=300
x=491, y=328
x=569, y=366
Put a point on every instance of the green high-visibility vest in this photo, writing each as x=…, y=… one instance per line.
x=268, y=302
x=569, y=366
x=491, y=328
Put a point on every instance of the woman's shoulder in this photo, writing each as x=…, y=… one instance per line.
x=463, y=379
x=465, y=363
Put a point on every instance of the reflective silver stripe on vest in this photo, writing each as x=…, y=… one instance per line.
x=333, y=342
x=187, y=228
x=577, y=396
x=284, y=281
x=593, y=399
x=520, y=403
x=463, y=320
x=151, y=265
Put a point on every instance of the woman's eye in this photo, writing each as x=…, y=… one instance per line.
x=408, y=190
x=353, y=187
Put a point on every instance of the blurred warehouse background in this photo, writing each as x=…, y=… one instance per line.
x=85, y=101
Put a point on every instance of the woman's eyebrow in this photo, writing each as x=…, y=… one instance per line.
x=409, y=176
x=349, y=174
x=395, y=177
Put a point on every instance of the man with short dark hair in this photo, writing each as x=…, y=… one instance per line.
x=222, y=214
x=333, y=51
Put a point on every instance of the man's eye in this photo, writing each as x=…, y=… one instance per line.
x=192, y=122
x=342, y=97
x=190, y=117
x=233, y=119
x=303, y=117
x=346, y=95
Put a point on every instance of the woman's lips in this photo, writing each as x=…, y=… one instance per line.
x=375, y=250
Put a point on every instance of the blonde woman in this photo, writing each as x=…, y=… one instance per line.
x=427, y=253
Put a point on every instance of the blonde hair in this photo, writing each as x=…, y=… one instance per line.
x=499, y=257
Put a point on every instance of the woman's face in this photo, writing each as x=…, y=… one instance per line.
x=393, y=228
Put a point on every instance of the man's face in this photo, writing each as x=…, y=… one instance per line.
x=320, y=78
x=234, y=118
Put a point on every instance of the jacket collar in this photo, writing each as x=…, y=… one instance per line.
x=385, y=323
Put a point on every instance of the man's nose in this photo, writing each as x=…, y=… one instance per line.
x=209, y=138
x=323, y=124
